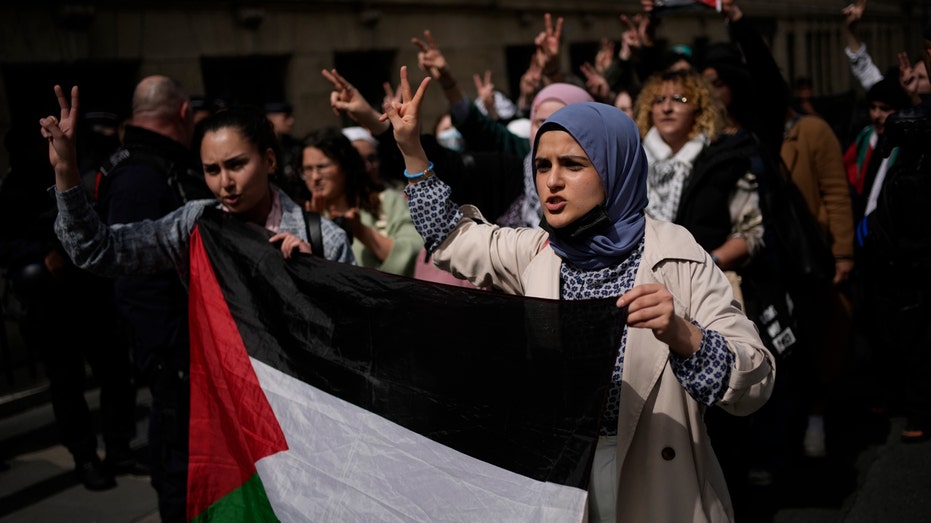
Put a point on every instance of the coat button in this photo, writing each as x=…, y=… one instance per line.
x=668, y=453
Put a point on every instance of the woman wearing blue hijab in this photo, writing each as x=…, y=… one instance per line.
x=685, y=345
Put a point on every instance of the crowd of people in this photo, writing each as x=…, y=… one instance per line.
x=651, y=175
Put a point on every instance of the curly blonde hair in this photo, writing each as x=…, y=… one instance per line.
x=710, y=116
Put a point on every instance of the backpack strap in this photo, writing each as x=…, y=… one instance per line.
x=102, y=178
x=186, y=184
x=314, y=232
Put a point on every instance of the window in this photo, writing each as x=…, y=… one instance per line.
x=252, y=80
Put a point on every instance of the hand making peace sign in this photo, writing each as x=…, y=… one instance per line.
x=404, y=116
x=60, y=133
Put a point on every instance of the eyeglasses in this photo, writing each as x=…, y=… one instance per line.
x=308, y=170
x=682, y=99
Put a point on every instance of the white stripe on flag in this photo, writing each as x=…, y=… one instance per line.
x=347, y=464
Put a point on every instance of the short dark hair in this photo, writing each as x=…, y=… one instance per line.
x=889, y=91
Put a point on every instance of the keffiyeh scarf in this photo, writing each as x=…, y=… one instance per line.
x=668, y=172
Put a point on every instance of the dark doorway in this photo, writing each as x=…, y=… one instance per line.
x=517, y=60
x=246, y=80
x=104, y=87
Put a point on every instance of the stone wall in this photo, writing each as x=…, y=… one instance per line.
x=173, y=37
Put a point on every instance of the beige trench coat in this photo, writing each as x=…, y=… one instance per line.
x=667, y=469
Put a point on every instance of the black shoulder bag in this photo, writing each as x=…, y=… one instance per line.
x=314, y=233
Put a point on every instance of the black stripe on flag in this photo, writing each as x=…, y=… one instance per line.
x=516, y=382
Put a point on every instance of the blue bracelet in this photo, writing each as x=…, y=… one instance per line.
x=421, y=174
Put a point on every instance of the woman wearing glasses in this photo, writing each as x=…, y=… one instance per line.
x=377, y=217
x=690, y=181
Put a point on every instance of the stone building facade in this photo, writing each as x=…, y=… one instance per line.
x=255, y=51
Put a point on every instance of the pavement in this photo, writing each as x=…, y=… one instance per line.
x=884, y=481
x=868, y=476
x=37, y=480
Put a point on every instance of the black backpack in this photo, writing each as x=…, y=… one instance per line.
x=898, y=229
x=186, y=183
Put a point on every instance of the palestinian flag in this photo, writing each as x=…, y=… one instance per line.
x=326, y=392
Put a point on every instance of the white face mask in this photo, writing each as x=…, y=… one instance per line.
x=451, y=139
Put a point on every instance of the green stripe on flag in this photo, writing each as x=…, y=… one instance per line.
x=247, y=503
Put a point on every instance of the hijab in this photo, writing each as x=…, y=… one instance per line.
x=568, y=94
x=612, y=142
x=528, y=204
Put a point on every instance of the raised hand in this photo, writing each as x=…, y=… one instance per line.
x=643, y=24
x=346, y=99
x=630, y=38
x=430, y=58
x=731, y=10
x=605, y=56
x=529, y=85
x=531, y=79
x=853, y=13
x=404, y=116
x=60, y=133
x=486, y=93
x=548, y=44
x=595, y=83
x=908, y=77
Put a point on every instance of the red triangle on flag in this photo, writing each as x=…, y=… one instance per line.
x=232, y=424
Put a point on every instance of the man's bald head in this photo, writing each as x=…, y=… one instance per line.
x=161, y=104
x=158, y=94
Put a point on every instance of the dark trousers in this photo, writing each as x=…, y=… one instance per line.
x=168, y=438
x=900, y=345
x=72, y=323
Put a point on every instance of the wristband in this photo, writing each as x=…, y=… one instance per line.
x=715, y=259
x=413, y=176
